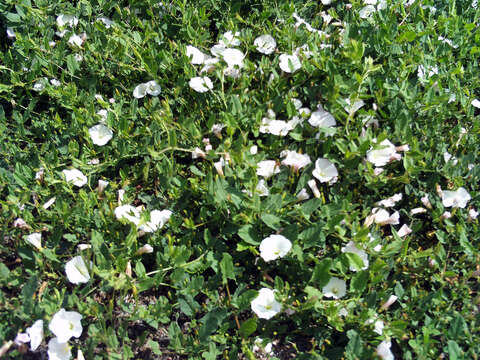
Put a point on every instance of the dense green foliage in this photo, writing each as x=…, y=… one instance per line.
x=191, y=297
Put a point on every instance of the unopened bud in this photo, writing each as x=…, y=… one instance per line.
x=145, y=249
x=313, y=186
x=389, y=302
x=128, y=269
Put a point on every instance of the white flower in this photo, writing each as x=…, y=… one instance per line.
x=253, y=149
x=389, y=302
x=391, y=201
x=458, y=198
x=404, y=231
x=275, y=127
x=476, y=103
x=217, y=130
x=274, y=246
x=265, y=44
x=313, y=185
x=418, y=210
x=265, y=305
x=209, y=65
x=75, y=176
x=303, y=195
x=145, y=249
x=21, y=338
x=49, y=203
x=77, y=271
x=58, y=350
x=472, y=214
x=35, y=332
x=75, y=40
x=382, y=217
x=10, y=33
x=259, y=347
x=295, y=160
x=217, y=50
x=67, y=20
x=422, y=72
x=20, y=223
x=382, y=154
x=100, y=134
x=35, y=239
x=153, y=88
x=262, y=188
x=289, y=63
x=325, y=171
x=230, y=39
x=383, y=350
x=55, y=82
x=352, y=248
x=82, y=247
x=267, y=168
x=39, y=85
x=157, y=220
x=233, y=57
x=102, y=184
x=426, y=201
x=128, y=212
x=304, y=112
x=352, y=109
x=197, y=57
x=321, y=118
x=378, y=327
x=326, y=2
x=106, y=21
x=446, y=215
x=198, y=153
x=366, y=11
x=65, y=324
x=80, y=355
x=104, y=115
x=447, y=157
x=336, y=288
x=140, y=91
x=201, y=84
x=78, y=57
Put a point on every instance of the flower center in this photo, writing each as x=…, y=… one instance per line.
x=335, y=290
x=268, y=307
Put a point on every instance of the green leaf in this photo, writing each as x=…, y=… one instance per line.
x=271, y=221
x=354, y=261
x=248, y=327
x=359, y=282
x=227, y=268
x=248, y=234
x=454, y=351
x=211, y=322
x=354, y=347
x=321, y=272
x=457, y=327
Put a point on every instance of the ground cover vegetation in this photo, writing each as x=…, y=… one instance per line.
x=239, y=179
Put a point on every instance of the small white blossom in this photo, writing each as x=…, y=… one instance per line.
x=336, y=288
x=391, y=201
x=157, y=220
x=353, y=108
x=145, y=249
x=325, y=171
x=265, y=44
x=275, y=127
x=233, y=57
x=426, y=72
x=102, y=184
x=76, y=40
x=67, y=20
x=458, y=198
x=77, y=271
x=446, y=215
x=262, y=188
x=253, y=149
x=217, y=130
x=35, y=239
x=20, y=223
x=140, y=91
x=447, y=157
x=321, y=118
x=303, y=195
x=267, y=168
x=472, y=214
x=259, y=347
x=289, y=63
x=106, y=21
x=82, y=247
x=35, y=332
x=11, y=33
x=55, y=82
x=153, y=88
x=39, y=86
x=313, y=185
x=75, y=176
x=198, y=153
x=274, y=246
x=382, y=154
x=295, y=160
x=217, y=50
x=426, y=201
x=389, y=302
x=129, y=213
x=476, y=103
x=197, y=57
x=230, y=39
x=265, y=305
x=49, y=203
x=201, y=84
x=65, y=324
x=418, y=210
x=58, y=350
x=100, y=134
x=383, y=350
x=352, y=248
x=404, y=231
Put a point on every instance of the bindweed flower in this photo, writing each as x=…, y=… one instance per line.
x=198, y=153
x=458, y=198
x=389, y=302
x=49, y=203
x=253, y=149
x=289, y=63
x=35, y=239
x=274, y=247
x=303, y=195
x=426, y=201
x=102, y=184
x=106, y=21
x=145, y=249
x=65, y=324
x=404, y=231
x=382, y=154
x=58, y=350
x=336, y=288
x=129, y=213
x=353, y=108
x=313, y=185
x=84, y=246
x=153, y=88
x=11, y=33
x=233, y=57
x=472, y=214
x=77, y=271
x=196, y=56
x=275, y=127
x=321, y=118
x=295, y=160
x=426, y=72
x=418, y=210
x=267, y=168
x=75, y=177
x=265, y=44
x=446, y=215
x=384, y=352
x=80, y=355
x=447, y=157
x=100, y=134
x=265, y=305
x=21, y=338
x=201, y=84
x=325, y=171
x=217, y=130
x=391, y=201
x=262, y=188
x=35, y=332
x=20, y=223
x=67, y=20
x=40, y=85
x=76, y=40
x=260, y=347
x=229, y=39
x=476, y=103
x=55, y=82
x=157, y=220
x=352, y=248
x=140, y=91
x=378, y=325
